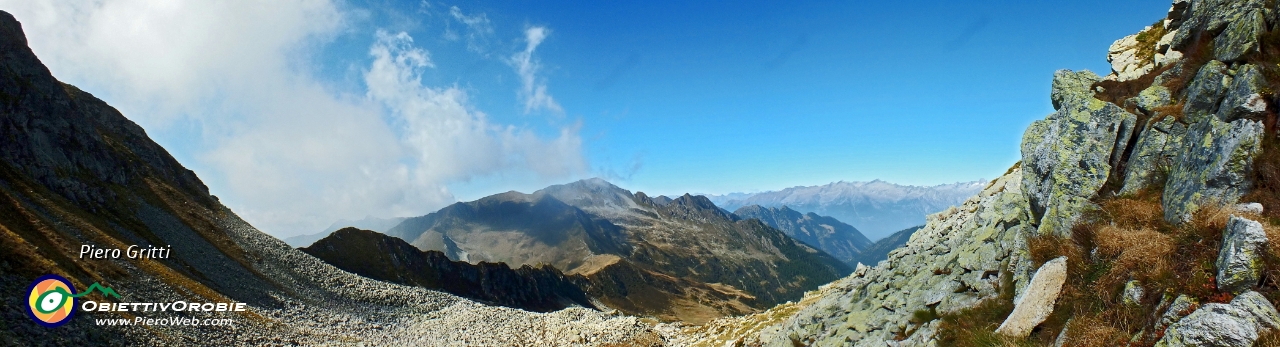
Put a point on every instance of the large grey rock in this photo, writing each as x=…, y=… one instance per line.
x=1205, y=91
x=1243, y=98
x=1068, y=156
x=1036, y=304
x=1263, y=312
x=1240, y=259
x=1181, y=307
x=1236, y=324
x=1240, y=37
x=1150, y=98
x=1213, y=167
x=1210, y=18
x=1157, y=147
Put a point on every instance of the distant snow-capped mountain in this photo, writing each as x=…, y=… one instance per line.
x=876, y=208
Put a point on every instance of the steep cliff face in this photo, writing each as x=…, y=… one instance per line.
x=1131, y=171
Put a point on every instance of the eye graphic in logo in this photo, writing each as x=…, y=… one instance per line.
x=51, y=300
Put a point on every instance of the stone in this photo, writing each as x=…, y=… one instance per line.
x=1133, y=293
x=1205, y=91
x=1126, y=60
x=1252, y=207
x=1236, y=324
x=1263, y=312
x=1218, y=325
x=1034, y=306
x=1167, y=58
x=1240, y=37
x=1177, y=12
x=1067, y=156
x=1243, y=98
x=1214, y=166
x=1181, y=307
x=1240, y=259
x=1157, y=147
x=1150, y=98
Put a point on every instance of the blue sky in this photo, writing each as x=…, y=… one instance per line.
x=738, y=96
x=300, y=112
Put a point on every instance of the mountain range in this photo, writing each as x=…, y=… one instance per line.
x=366, y=223
x=596, y=229
x=877, y=208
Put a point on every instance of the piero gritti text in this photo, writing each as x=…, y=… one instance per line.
x=132, y=252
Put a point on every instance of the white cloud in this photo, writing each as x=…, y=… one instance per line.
x=281, y=148
x=533, y=89
x=479, y=30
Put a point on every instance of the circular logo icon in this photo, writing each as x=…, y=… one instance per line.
x=51, y=301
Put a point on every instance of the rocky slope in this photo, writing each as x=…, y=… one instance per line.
x=75, y=171
x=841, y=240
x=1133, y=181
x=876, y=208
x=678, y=247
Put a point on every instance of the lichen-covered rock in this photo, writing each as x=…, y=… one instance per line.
x=1205, y=91
x=1150, y=98
x=1181, y=307
x=1211, y=17
x=1068, y=156
x=1236, y=324
x=1240, y=260
x=1216, y=325
x=1133, y=292
x=1244, y=97
x=1252, y=207
x=1157, y=147
x=1037, y=302
x=1213, y=167
x=1241, y=36
x=1264, y=313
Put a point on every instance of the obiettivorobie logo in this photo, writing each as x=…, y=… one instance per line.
x=52, y=301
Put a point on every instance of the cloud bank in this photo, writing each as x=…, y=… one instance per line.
x=229, y=85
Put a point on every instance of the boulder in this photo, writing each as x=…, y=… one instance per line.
x=1205, y=91
x=1214, y=166
x=1181, y=307
x=1216, y=325
x=1252, y=207
x=1157, y=147
x=1240, y=260
x=1126, y=60
x=1244, y=99
x=1236, y=324
x=1067, y=156
x=1240, y=37
x=1035, y=305
x=1150, y=98
x=1133, y=292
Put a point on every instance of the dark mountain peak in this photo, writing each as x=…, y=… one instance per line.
x=382, y=257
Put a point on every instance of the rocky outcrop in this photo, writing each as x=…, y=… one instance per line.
x=1240, y=260
x=1068, y=156
x=1224, y=325
x=1035, y=305
x=1213, y=167
x=1129, y=59
x=1153, y=156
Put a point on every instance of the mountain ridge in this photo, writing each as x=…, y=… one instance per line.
x=877, y=208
